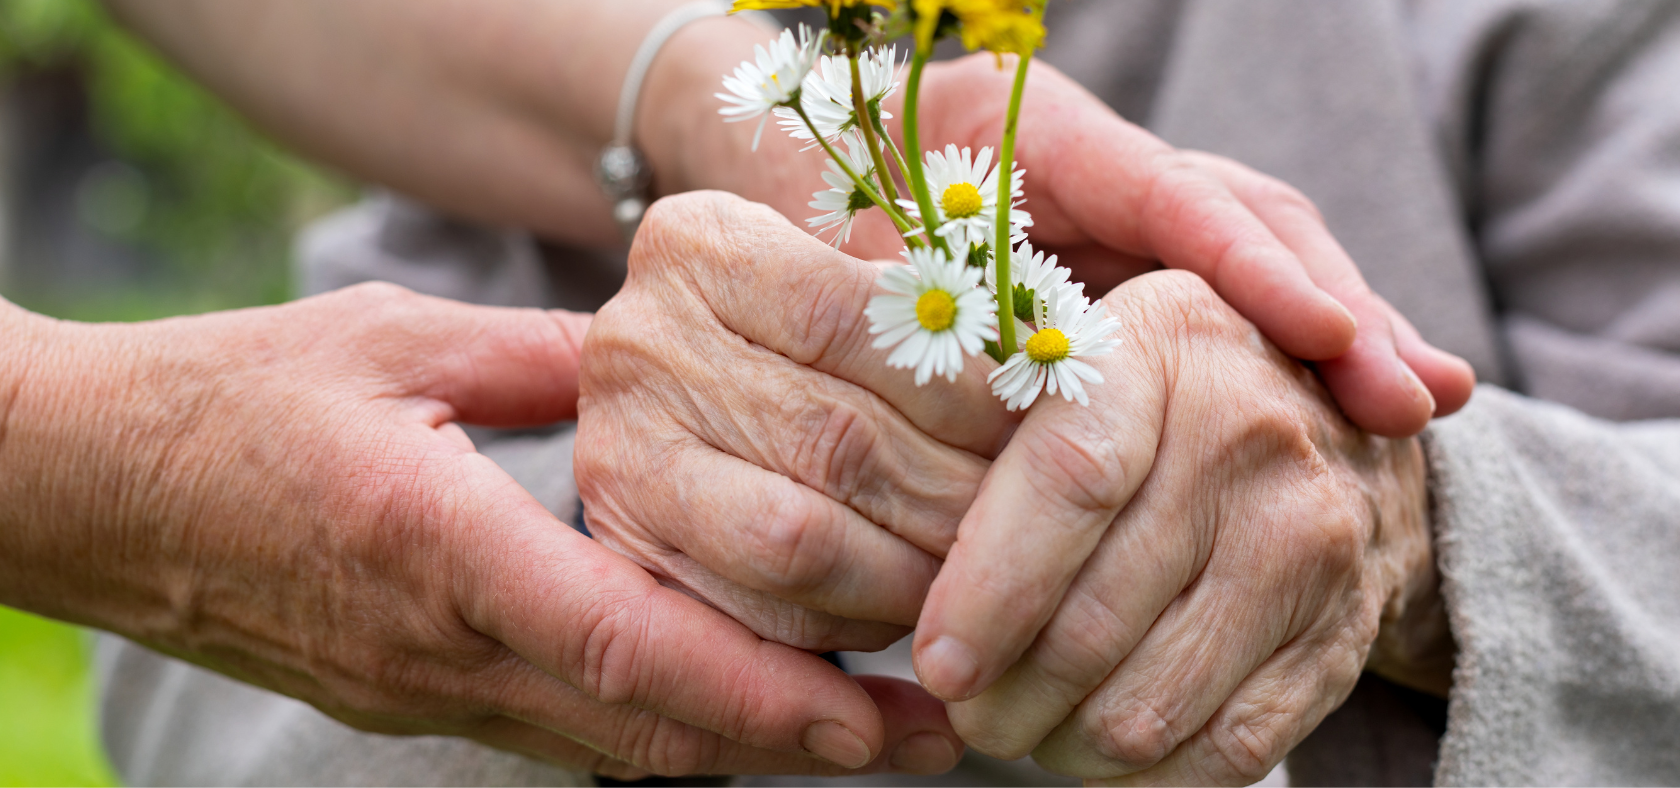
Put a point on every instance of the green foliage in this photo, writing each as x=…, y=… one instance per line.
x=47, y=729
x=214, y=202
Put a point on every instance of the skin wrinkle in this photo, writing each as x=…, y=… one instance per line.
x=167, y=478
x=832, y=340
x=697, y=386
x=699, y=582
x=19, y=369
x=700, y=579
x=1286, y=443
x=842, y=450
x=784, y=546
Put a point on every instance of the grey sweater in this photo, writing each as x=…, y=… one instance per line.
x=1506, y=172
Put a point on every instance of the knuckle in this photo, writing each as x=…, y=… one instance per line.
x=1083, y=468
x=826, y=313
x=698, y=228
x=682, y=231
x=1179, y=305
x=1322, y=526
x=1134, y=735
x=1177, y=184
x=1328, y=534
x=838, y=442
x=1282, y=196
x=375, y=293
x=1243, y=750
x=383, y=309
x=656, y=744
x=676, y=750
x=792, y=544
x=611, y=662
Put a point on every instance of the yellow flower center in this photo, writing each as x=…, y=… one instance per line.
x=960, y=201
x=936, y=310
x=1047, y=346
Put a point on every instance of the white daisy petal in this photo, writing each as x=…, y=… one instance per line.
x=844, y=200
x=826, y=95
x=1070, y=329
x=964, y=189
x=771, y=79
x=1032, y=270
x=958, y=320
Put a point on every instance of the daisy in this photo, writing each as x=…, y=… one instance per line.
x=773, y=80
x=844, y=199
x=964, y=189
x=936, y=309
x=1031, y=270
x=1034, y=276
x=1069, y=328
x=826, y=95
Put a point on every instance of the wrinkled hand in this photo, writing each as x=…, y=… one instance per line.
x=282, y=495
x=1180, y=581
x=740, y=438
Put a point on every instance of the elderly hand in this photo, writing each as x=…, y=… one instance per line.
x=1113, y=201
x=282, y=495
x=1180, y=581
x=740, y=438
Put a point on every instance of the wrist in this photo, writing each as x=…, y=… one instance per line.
x=1414, y=645
x=687, y=143
x=35, y=430
x=76, y=458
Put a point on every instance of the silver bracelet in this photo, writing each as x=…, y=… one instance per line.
x=621, y=169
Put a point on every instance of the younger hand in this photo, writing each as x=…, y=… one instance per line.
x=283, y=495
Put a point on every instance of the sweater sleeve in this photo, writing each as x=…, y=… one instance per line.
x=1561, y=124
x=1559, y=545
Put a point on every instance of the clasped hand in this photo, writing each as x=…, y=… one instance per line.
x=1176, y=583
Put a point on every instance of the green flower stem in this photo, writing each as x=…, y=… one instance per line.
x=874, y=196
x=913, y=142
x=860, y=109
x=881, y=131
x=1006, y=187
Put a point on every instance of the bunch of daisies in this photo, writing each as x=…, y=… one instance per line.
x=953, y=207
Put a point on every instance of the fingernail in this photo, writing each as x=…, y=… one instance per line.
x=948, y=668
x=1417, y=383
x=835, y=743
x=1353, y=321
x=924, y=753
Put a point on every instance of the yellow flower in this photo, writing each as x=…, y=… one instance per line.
x=833, y=6
x=993, y=25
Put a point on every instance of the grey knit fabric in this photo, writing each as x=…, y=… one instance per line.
x=1559, y=544
x=1506, y=172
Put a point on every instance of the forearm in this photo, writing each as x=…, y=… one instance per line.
x=491, y=111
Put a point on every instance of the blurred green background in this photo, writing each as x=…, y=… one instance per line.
x=126, y=193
